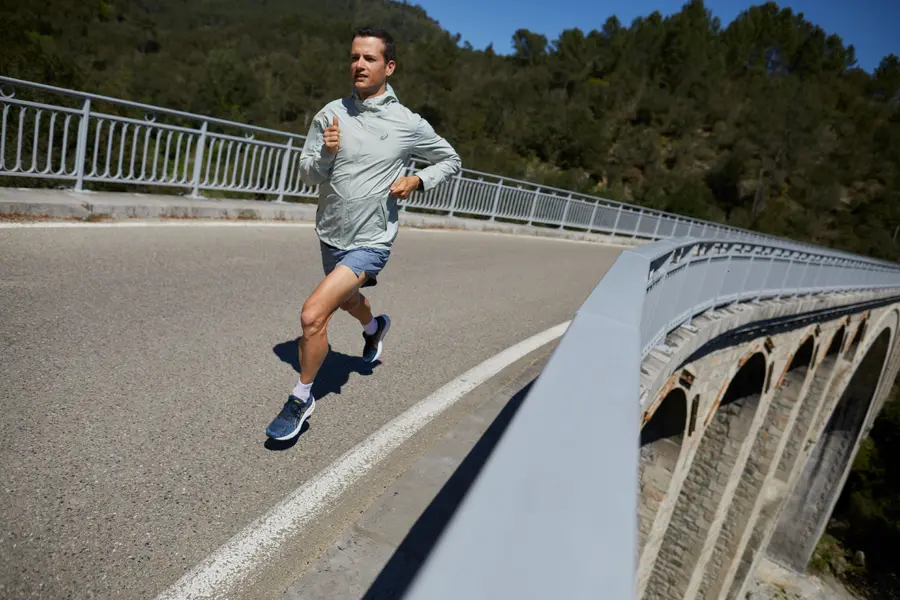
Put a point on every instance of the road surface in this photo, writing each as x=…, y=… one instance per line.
x=141, y=366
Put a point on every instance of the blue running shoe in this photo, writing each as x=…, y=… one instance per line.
x=289, y=421
x=372, y=349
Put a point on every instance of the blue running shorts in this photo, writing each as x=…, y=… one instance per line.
x=359, y=260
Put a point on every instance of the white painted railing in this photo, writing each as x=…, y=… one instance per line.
x=57, y=133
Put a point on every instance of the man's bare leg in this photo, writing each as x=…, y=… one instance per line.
x=336, y=289
x=359, y=308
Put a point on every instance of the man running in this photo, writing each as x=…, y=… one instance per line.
x=355, y=150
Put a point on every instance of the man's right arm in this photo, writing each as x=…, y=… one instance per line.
x=315, y=161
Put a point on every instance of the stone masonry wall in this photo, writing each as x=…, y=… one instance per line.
x=699, y=498
x=819, y=485
x=661, y=441
x=658, y=462
x=755, y=472
x=828, y=377
x=800, y=432
x=754, y=546
x=687, y=501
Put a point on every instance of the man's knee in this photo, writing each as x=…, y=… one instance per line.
x=313, y=318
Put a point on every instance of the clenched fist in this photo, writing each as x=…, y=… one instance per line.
x=333, y=137
x=404, y=186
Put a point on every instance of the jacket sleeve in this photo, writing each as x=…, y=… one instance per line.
x=315, y=162
x=432, y=147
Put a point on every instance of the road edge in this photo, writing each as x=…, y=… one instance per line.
x=54, y=205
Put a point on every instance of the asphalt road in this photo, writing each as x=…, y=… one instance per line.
x=141, y=366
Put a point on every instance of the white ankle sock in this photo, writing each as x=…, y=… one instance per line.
x=301, y=390
x=372, y=327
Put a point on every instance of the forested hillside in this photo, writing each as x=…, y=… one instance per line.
x=764, y=122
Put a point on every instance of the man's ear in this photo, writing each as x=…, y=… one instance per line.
x=389, y=69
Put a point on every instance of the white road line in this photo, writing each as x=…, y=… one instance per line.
x=70, y=224
x=256, y=543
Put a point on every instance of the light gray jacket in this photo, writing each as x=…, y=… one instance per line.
x=378, y=135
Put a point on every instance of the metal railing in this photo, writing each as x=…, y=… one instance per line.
x=132, y=146
x=553, y=513
x=101, y=139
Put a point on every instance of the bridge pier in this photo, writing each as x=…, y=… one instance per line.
x=748, y=439
x=817, y=489
x=792, y=411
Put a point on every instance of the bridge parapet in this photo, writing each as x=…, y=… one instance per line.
x=725, y=362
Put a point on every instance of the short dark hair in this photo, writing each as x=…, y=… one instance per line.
x=381, y=34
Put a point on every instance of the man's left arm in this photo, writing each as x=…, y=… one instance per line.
x=432, y=147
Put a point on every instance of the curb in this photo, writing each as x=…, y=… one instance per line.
x=48, y=204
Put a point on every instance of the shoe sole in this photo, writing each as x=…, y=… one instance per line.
x=303, y=419
x=387, y=327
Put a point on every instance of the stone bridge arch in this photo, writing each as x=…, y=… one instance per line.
x=818, y=486
x=747, y=419
x=705, y=486
x=662, y=441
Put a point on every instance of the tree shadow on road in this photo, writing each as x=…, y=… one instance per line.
x=335, y=372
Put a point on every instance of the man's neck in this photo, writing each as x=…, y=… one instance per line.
x=364, y=95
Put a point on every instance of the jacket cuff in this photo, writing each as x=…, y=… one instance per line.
x=428, y=179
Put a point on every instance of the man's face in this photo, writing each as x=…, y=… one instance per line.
x=368, y=69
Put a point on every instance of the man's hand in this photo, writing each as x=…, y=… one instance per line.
x=404, y=186
x=333, y=137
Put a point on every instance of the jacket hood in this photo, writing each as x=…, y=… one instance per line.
x=375, y=103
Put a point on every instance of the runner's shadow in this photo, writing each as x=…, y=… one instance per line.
x=335, y=371
x=278, y=446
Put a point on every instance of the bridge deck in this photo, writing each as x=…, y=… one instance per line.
x=141, y=366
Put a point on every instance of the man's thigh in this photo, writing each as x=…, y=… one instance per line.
x=364, y=260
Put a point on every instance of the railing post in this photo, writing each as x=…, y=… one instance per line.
x=496, y=204
x=762, y=284
x=285, y=163
x=722, y=281
x=616, y=223
x=593, y=216
x=659, y=219
x=819, y=268
x=747, y=271
x=198, y=160
x=537, y=193
x=455, y=193
x=637, y=226
x=566, y=211
x=81, y=146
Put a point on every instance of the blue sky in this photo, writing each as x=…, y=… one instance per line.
x=870, y=25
